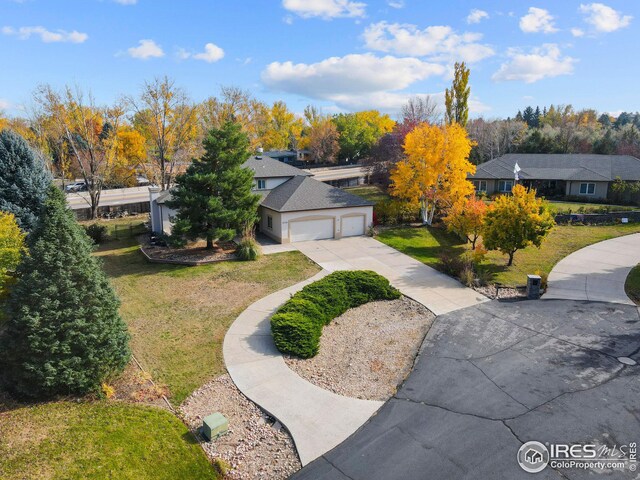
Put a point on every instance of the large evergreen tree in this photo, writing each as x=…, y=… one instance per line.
x=213, y=198
x=23, y=180
x=63, y=334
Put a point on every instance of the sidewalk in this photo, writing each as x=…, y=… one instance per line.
x=317, y=419
x=597, y=272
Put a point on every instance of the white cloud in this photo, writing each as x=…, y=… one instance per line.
x=476, y=16
x=212, y=53
x=126, y=2
x=440, y=43
x=353, y=80
x=5, y=104
x=537, y=20
x=326, y=9
x=577, y=32
x=146, y=49
x=395, y=3
x=45, y=35
x=604, y=18
x=543, y=62
x=288, y=19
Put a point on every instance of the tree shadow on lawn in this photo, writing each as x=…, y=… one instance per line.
x=426, y=244
x=124, y=258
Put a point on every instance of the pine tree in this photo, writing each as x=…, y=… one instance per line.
x=456, y=99
x=213, y=198
x=23, y=180
x=536, y=117
x=63, y=334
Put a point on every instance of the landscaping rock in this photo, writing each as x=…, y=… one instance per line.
x=253, y=447
x=369, y=350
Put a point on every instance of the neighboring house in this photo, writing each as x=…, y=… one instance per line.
x=557, y=175
x=294, y=207
x=289, y=156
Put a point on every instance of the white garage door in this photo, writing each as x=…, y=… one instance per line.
x=353, y=226
x=311, y=230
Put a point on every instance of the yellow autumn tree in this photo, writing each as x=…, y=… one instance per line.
x=515, y=221
x=11, y=250
x=434, y=172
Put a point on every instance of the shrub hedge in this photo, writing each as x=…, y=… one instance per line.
x=297, y=325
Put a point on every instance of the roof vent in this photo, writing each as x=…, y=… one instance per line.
x=260, y=152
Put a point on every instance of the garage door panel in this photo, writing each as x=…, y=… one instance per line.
x=304, y=230
x=353, y=226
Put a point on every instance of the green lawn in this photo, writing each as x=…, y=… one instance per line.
x=427, y=244
x=632, y=285
x=178, y=315
x=97, y=440
x=372, y=193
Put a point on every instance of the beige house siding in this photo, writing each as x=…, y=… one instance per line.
x=601, y=188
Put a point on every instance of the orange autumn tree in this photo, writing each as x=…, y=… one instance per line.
x=434, y=172
x=465, y=218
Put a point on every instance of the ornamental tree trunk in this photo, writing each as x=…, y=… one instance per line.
x=209, y=242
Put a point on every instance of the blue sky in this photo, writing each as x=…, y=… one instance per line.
x=341, y=55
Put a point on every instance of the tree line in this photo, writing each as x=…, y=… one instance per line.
x=556, y=129
x=157, y=132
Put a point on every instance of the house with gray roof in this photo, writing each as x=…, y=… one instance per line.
x=557, y=175
x=295, y=207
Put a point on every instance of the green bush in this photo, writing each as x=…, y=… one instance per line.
x=297, y=325
x=97, y=232
x=296, y=334
x=395, y=212
x=248, y=249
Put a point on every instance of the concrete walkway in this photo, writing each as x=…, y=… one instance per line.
x=435, y=290
x=317, y=419
x=597, y=272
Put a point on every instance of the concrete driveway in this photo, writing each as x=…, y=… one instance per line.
x=493, y=376
x=597, y=272
x=437, y=291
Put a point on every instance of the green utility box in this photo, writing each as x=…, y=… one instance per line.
x=214, y=426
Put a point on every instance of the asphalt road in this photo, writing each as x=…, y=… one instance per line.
x=496, y=375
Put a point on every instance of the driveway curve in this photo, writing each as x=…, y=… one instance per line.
x=597, y=272
x=317, y=419
x=494, y=376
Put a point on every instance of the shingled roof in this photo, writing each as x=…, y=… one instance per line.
x=306, y=193
x=580, y=167
x=267, y=167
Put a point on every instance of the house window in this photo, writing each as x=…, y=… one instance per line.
x=505, y=186
x=587, y=188
x=269, y=222
x=262, y=184
x=480, y=185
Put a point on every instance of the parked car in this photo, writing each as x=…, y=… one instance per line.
x=76, y=187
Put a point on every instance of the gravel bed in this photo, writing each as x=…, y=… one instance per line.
x=368, y=351
x=495, y=293
x=255, y=447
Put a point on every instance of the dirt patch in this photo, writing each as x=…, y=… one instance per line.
x=256, y=446
x=368, y=351
x=195, y=253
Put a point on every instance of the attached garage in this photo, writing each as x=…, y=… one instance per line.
x=312, y=229
x=353, y=226
x=303, y=209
